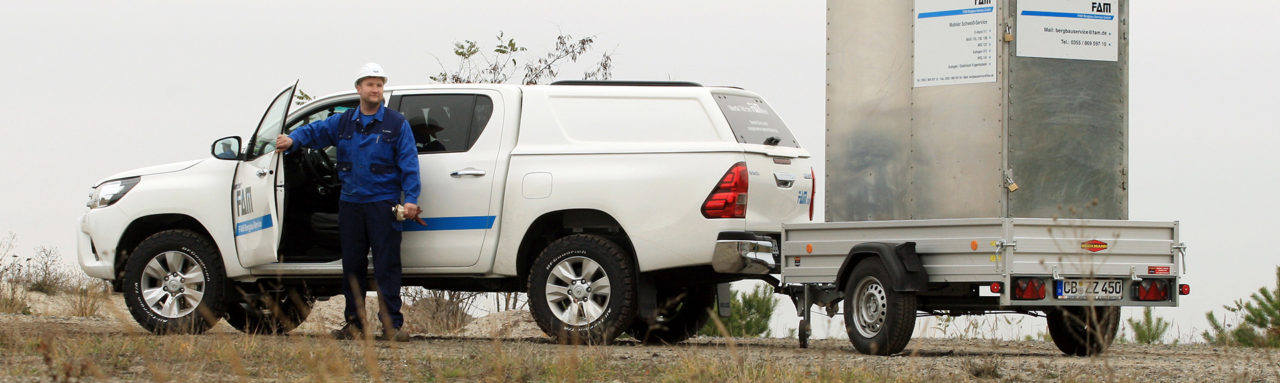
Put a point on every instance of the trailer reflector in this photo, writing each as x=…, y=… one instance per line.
x=1151, y=290
x=1028, y=289
x=996, y=287
x=1184, y=289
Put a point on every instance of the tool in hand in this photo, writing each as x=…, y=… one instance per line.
x=398, y=210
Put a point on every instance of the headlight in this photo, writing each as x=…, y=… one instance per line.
x=109, y=192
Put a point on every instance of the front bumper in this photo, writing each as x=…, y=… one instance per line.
x=738, y=252
x=94, y=250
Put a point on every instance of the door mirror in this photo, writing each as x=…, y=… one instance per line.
x=226, y=148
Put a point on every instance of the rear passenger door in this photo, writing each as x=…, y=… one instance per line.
x=458, y=136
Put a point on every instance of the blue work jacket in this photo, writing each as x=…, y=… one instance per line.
x=376, y=162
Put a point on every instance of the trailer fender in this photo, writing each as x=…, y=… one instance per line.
x=900, y=260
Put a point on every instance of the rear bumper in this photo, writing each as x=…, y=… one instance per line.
x=739, y=252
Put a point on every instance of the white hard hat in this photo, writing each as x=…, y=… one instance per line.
x=370, y=70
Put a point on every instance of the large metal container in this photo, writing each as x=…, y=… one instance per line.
x=917, y=130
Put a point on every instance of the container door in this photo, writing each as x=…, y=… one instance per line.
x=258, y=187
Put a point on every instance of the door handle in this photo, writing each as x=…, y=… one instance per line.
x=264, y=172
x=467, y=172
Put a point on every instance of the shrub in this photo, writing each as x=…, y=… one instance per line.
x=43, y=272
x=1261, y=321
x=86, y=297
x=436, y=311
x=750, y=317
x=1148, y=331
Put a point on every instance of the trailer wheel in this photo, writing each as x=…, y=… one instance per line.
x=879, y=320
x=582, y=290
x=1083, y=331
x=174, y=283
x=681, y=313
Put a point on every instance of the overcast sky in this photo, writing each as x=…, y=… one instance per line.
x=97, y=87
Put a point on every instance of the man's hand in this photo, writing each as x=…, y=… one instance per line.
x=411, y=211
x=283, y=142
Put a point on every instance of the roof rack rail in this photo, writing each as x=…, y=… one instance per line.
x=626, y=83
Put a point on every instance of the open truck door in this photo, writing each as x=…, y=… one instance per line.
x=257, y=191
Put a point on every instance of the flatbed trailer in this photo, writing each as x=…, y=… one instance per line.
x=1075, y=272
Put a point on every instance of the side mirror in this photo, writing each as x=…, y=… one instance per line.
x=226, y=148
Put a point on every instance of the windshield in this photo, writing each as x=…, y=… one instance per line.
x=265, y=139
x=753, y=121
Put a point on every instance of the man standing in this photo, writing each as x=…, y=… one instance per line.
x=377, y=161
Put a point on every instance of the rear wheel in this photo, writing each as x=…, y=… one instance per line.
x=681, y=313
x=582, y=289
x=260, y=310
x=174, y=283
x=1083, y=331
x=879, y=320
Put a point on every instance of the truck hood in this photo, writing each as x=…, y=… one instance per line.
x=150, y=170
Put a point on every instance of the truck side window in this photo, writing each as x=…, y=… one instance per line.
x=446, y=122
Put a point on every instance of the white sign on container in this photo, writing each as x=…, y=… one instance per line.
x=955, y=42
x=1068, y=29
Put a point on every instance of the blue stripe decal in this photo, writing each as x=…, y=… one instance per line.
x=956, y=12
x=451, y=223
x=1068, y=15
x=253, y=225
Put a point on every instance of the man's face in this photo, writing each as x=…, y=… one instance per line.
x=370, y=90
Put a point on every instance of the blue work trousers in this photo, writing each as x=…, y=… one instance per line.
x=363, y=226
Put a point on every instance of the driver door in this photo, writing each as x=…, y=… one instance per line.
x=258, y=188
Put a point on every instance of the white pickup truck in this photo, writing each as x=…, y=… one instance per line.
x=617, y=206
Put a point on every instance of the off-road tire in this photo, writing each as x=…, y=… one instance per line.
x=196, y=249
x=681, y=313
x=1082, y=330
x=615, y=317
x=894, y=315
x=285, y=311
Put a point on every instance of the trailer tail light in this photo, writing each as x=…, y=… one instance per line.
x=1184, y=289
x=729, y=198
x=813, y=191
x=1151, y=290
x=1028, y=288
x=996, y=287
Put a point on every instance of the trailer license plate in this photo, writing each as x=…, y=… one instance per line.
x=1079, y=289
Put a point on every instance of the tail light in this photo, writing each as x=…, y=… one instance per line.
x=1028, y=288
x=997, y=287
x=1151, y=290
x=813, y=191
x=1184, y=289
x=729, y=198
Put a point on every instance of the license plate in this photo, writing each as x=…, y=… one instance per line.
x=1080, y=289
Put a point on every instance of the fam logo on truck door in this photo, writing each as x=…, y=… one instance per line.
x=243, y=200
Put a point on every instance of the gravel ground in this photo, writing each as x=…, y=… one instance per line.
x=924, y=359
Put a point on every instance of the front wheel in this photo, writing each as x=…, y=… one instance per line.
x=582, y=289
x=174, y=283
x=879, y=320
x=1083, y=331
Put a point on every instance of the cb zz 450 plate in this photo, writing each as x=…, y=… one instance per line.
x=1082, y=289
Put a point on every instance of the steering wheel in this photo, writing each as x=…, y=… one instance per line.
x=319, y=167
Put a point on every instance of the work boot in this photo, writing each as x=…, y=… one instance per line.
x=348, y=331
x=398, y=335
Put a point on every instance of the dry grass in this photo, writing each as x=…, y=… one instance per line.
x=85, y=297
